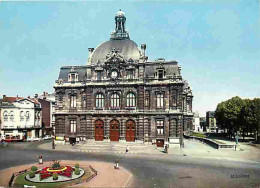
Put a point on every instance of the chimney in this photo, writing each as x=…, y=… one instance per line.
x=90, y=50
x=143, y=48
x=4, y=96
x=29, y=97
x=36, y=96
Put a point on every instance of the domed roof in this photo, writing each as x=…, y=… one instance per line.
x=120, y=13
x=126, y=47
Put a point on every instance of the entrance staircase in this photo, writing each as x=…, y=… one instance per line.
x=115, y=147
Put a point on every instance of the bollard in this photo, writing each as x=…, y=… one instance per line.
x=40, y=160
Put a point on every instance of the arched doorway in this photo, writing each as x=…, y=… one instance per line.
x=99, y=130
x=114, y=130
x=130, y=131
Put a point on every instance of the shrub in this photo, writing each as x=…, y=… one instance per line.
x=77, y=165
x=56, y=165
x=31, y=174
x=34, y=168
x=55, y=176
x=77, y=172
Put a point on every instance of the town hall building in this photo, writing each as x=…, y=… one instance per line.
x=119, y=95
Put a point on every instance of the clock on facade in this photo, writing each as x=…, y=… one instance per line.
x=114, y=74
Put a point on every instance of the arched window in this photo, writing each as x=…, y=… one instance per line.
x=11, y=116
x=27, y=114
x=159, y=100
x=5, y=116
x=115, y=100
x=100, y=100
x=130, y=100
x=21, y=116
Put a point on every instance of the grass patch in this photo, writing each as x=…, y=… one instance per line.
x=200, y=135
x=20, y=181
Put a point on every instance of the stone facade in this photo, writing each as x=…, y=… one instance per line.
x=120, y=95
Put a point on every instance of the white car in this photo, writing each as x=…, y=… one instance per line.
x=30, y=139
x=47, y=137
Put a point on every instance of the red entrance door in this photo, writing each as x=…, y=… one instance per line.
x=160, y=142
x=99, y=130
x=130, y=131
x=114, y=130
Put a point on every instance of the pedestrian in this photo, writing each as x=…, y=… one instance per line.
x=116, y=164
x=127, y=149
x=53, y=144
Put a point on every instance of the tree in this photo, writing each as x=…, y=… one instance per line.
x=233, y=113
x=228, y=114
x=255, y=108
x=219, y=115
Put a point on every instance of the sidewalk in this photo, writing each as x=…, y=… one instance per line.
x=107, y=147
x=107, y=176
x=245, y=153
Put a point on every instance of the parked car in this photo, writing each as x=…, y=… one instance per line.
x=30, y=139
x=221, y=131
x=213, y=130
x=47, y=137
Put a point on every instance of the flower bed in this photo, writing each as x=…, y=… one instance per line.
x=62, y=173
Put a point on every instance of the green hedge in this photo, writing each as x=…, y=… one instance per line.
x=31, y=174
x=55, y=176
x=34, y=168
x=77, y=172
x=77, y=165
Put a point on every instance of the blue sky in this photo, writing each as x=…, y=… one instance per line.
x=216, y=42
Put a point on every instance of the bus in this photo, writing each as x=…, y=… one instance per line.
x=12, y=137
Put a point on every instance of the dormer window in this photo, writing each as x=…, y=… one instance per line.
x=160, y=74
x=73, y=77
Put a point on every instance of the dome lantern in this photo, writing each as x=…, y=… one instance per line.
x=120, y=32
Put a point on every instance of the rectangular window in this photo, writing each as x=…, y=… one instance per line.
x=73, y=126
x=159, y=100
x=99, y=75
x=146, y=102
x=174, y=98
x=130, y=74
x=73, y=101
x=84, y=103
x=160, y=127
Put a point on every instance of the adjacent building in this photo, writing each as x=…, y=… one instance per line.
x=48, y=108
x=21, y=118
x=203, y=124
x=196, y=122
x=120, y=95
x=211, y=121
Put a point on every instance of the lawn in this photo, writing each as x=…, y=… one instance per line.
x=20, y=181
x=200, y=135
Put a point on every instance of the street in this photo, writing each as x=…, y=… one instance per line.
x=149, y=170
